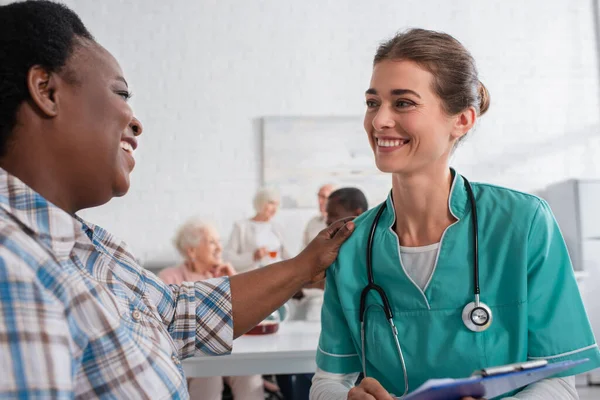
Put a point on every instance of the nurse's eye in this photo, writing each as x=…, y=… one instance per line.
x=404, y=104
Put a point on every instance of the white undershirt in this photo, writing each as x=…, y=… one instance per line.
x=419, y=262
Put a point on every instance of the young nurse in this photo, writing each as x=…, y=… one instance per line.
x=474, y=275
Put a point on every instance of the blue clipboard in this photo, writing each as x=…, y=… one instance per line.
x=490, y=387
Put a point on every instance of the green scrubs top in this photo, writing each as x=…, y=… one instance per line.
x=525, y=276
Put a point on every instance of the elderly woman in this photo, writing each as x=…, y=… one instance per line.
x=199, y=244
x=257, y=241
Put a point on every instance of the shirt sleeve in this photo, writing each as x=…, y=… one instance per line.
x=328, y=386
x=549, y=389
x=558, y=326
x=336, y=352
x=36, y=357
x=198, y=315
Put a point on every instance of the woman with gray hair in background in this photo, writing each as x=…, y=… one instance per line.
x=199, y=244
x=257, y=242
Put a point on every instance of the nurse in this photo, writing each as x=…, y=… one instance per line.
x=423, y=99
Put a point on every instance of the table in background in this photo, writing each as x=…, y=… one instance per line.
x=292, y=350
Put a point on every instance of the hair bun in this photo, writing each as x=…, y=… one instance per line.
x=484, y=98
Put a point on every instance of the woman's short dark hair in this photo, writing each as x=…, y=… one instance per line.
x=31, y=33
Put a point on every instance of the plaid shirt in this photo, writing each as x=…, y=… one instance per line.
x=80, y=318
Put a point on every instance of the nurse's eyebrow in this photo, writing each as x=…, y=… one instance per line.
x=395, y=92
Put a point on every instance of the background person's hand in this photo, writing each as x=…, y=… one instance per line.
x=224, y=270
x=369, y=389
x=322, y=251
x=260, y=253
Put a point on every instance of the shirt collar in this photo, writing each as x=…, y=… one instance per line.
x=56, y=229
x=458, y=200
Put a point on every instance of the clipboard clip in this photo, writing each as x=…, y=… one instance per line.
x=508, y=368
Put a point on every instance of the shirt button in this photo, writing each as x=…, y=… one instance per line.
x=136, y=315
x=175, y=359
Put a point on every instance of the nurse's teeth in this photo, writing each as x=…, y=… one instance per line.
x=390, y=143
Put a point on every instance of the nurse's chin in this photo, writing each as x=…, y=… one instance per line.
x=388, y=167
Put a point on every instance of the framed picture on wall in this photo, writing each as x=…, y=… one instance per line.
x=302, y=153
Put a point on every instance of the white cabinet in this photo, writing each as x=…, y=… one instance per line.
x=576, y=205
x=589, y=202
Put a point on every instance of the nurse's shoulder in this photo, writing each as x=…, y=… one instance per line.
x=506, y=206
x=355, y=245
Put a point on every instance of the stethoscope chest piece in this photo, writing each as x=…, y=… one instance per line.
x=477, y=316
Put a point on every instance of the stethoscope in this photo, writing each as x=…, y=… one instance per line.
x=476, y=315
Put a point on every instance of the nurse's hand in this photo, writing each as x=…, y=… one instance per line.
x=323, y=250
x=369, y=389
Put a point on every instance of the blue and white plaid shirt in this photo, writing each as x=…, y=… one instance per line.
x=80, y=318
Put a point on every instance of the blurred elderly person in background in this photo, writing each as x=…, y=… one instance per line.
x=257, y=241
x=199, y=244
x=317, y=223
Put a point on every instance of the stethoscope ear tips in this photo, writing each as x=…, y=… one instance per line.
x=477, y=316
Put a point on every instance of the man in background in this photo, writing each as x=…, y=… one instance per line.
x=342, y=203
x=307, y=303
x=317, y=223
x=345, y=202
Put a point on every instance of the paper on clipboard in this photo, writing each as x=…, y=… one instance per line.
x=490, y=387
x=497, y=385
x=438, y=389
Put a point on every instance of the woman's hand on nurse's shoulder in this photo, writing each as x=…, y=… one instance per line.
x=322, y=251
x=369, y=389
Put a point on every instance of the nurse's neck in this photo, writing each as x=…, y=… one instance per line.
x=421, y=205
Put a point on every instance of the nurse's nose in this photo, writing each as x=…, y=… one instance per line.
x=384, y=119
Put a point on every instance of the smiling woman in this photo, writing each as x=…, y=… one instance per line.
x=442, y=260
x=76, y=94
x=79, y=317
x=419, y=83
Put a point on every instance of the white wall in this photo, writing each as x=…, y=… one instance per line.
x=203, y=72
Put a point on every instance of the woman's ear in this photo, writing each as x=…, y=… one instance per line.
x=464, y=122
x=191, y=253
x=42, y=88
